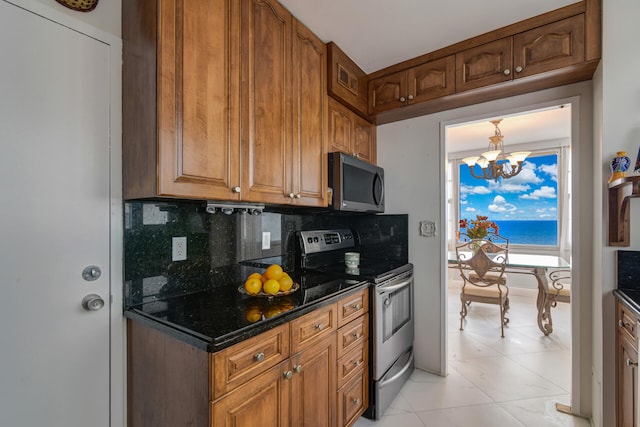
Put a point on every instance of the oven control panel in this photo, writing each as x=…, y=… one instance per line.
x=325, y=240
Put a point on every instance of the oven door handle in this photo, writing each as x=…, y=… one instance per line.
x=394, y=287
x=399, y=374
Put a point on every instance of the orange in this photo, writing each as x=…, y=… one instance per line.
x=253, y=314
x=254, y=276
x=274, y=272
x=271, y=287
x=285, y=282
x=253, y=286
x=263, y=278
x=272, y=311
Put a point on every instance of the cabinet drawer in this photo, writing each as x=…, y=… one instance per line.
x=352, y=400
x=627, y=322
x=353, y=306
x=312, y=327
x=352, y=362
x=352, y=334
x=237, y=364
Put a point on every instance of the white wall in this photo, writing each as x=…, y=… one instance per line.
x=618, y=128
x=106, y=15
x=411, y=152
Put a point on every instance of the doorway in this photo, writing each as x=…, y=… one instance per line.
x=533, y=210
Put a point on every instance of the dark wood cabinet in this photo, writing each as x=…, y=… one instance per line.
x=626, y=366
x=350, y=133
x=180, y=124
x=417, y=84
x=346, y=81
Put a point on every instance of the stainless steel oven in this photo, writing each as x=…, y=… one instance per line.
x=391, y=296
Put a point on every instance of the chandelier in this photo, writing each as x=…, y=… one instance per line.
x=494, y=163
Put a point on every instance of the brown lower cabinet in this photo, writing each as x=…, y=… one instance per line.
x=626, y=366
x=291, y=375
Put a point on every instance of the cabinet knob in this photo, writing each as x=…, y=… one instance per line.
x=356, y=306
x=518, y=69
x=287, y=375
x=258, y=357
x=507, y=71
x=410, y=97
x=297, y=368
x=357, y=335
x=319, y=326
x=298, y=196
x=624, y=324
x=356, y=401
x=356, y=155
x=291, y=195
x=236, y=189
x=630, y=363
x=356, y=363
x=402, y=99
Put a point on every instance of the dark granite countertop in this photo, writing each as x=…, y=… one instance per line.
x=631, y=297
x=217, y=318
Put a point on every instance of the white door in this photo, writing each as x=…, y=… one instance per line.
x=54, y=222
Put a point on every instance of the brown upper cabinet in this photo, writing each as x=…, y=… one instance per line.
x=346, y=81
x=417, y=84
x=283, y=114
x=350, y=133
x=214, y=124
x=546, y=48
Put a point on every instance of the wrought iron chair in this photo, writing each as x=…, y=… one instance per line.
x=560, y=287
x=482, y=265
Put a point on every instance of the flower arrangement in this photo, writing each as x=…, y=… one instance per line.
x=479, y=227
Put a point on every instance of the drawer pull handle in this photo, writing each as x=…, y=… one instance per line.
x=356, y=363
x=258, y=357
x=630, y=363
x=297, y=368
x=357, y=335
x=356, y=306
x=356, y=401
x=319, y=326
x=287, y=375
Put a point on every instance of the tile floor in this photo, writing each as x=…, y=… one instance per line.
x=498, y=382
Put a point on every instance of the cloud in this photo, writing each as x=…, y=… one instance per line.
x=478, y=189
x=470, y=210
x=508, y=186
x=500, y=205
x=544, y=192
x=527, y=175
x=463, y=202
x=553, y=209
x=551, y=170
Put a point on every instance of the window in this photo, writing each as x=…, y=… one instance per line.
x=530, y=209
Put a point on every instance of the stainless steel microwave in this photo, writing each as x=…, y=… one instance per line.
x=357, y=186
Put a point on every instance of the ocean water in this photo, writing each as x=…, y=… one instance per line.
x=529, y=232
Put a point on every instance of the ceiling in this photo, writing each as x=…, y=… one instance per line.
x=380, y=33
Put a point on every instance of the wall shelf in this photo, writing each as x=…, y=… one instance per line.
x=620, y=192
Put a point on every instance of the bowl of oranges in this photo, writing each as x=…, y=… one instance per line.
x=274, y=282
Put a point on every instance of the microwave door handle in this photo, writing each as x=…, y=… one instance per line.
x=391, y=288
x=378, y=189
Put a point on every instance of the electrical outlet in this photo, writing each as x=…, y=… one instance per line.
x=178, y=248
x=266, y=240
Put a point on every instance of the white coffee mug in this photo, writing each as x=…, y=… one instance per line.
x=351, y=259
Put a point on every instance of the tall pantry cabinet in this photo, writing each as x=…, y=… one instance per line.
x=202, y=121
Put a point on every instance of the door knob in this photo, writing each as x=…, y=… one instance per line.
x=92, y=302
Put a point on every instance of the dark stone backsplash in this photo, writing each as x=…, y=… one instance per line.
x=218, y=243
x=628, y=270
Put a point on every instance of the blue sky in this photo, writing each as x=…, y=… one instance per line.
x=530, y=195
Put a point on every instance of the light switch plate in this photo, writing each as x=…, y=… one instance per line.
x=266, y=240
x=427, y=228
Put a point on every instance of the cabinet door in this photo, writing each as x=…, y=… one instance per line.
x=340, y=127
x=549, y=47
x=198, y=139
x=627, y=360
x=353, y=399
x=346, y=81
x=313, y=392
x=309, y=117
x=266, y=106
x=431, y=80
x=264, y=402
x=363, y=144
x=387, y=92
x=484, y=65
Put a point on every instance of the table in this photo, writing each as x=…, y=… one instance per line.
x=536, y=265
